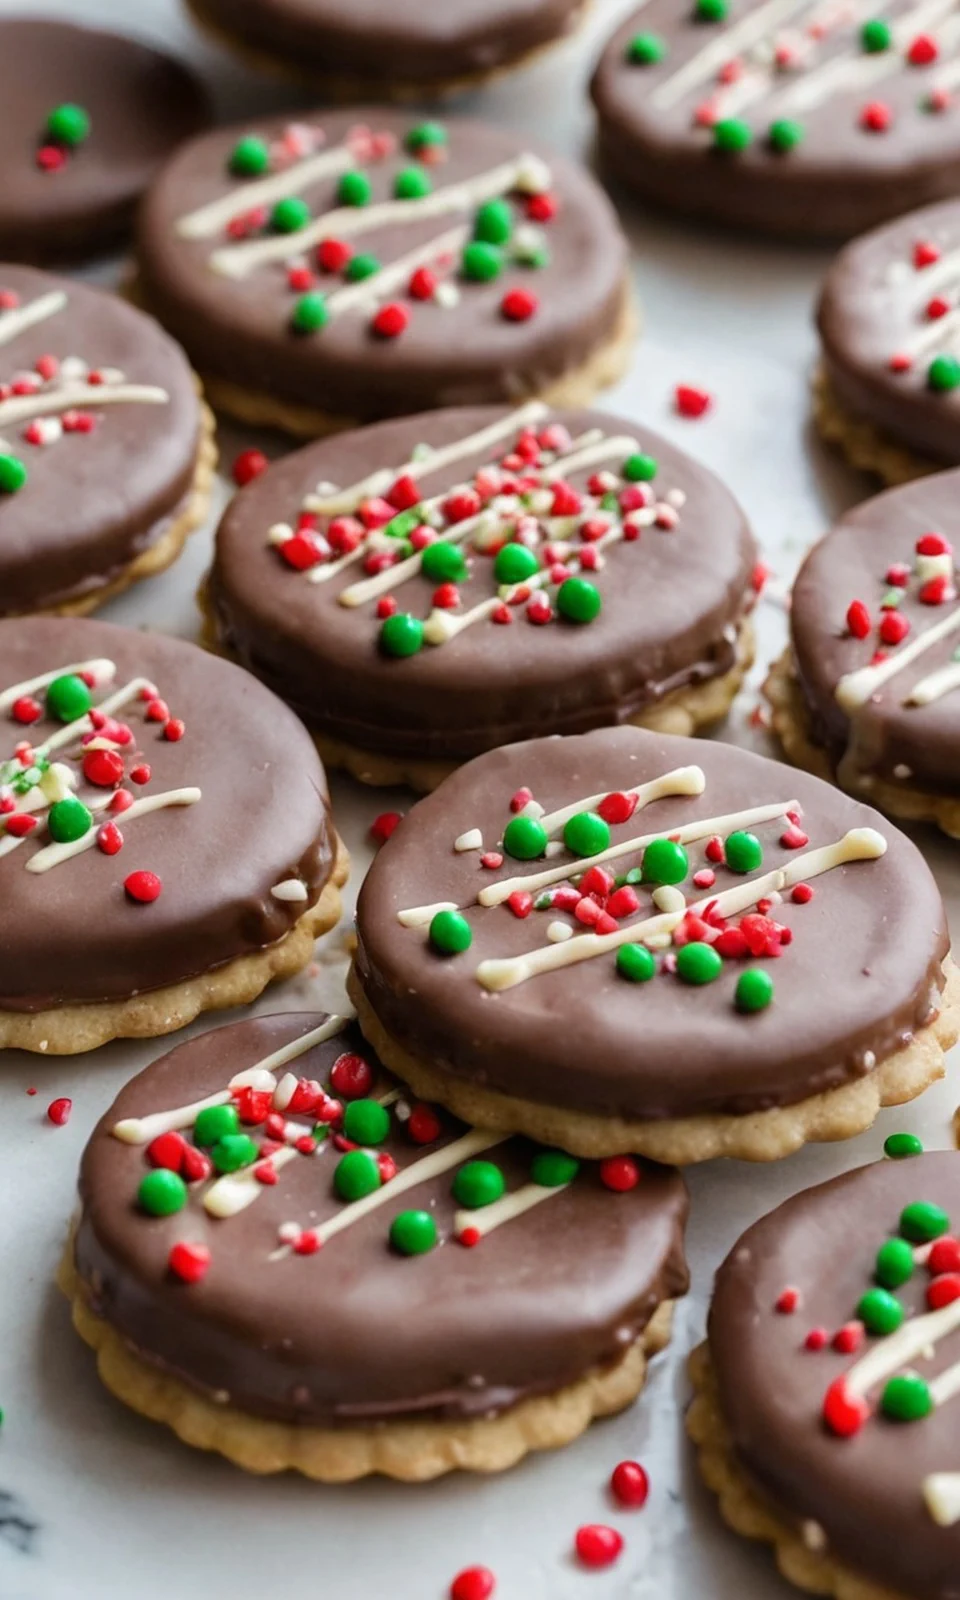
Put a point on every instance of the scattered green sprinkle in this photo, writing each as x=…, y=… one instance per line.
x=356, y=1175
x=754, y=991
x=698, y=963
x=69, y=125
x=310, y=313
x=894, y=1264
x=162, y=1192
x=13, y=474
x=478, y=1184
x=68, y=698
x=743, y=852
x=481, y=261
x=880, y=1312
x=640, y=468
x=876, y=35
x=289, y=214
x=250, y=157
x=493, y=223
x=412, y=183
x=443, y=562
x=524, y=838
x=586, y=834
x=732, y=135
x=514, y=563
x=553, y=1168
x=579, y=600
x=923, y=1221
x=234, y=1152
x=401, y=635
x=450, y=933
x=943, y=374
x=354, y=189
x=215, y=1123
x=635, y=963
x=69, y=820
x=361, y=266
x=900, y=1145
x=426, y=134
x=784, y=135
x=906, y=1398
x=413, y=1233
x=665, y=861
x=646, y=49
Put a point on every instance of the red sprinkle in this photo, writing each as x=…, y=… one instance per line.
x=714, y=850
x=109, y=839
x=844, y=1413
x=932, y=544
x=307, y=1244
x=925, y=253
x=876, y=117
x=248, y=465
x=520, y=903
x=858, y=619
x=391, y=320
x=937, y=307
x=598, y=1545
x=542, y=207
x=351, y=1076
x=519, y=305
x=473, y=1583
x=196, y=1166
x=849, y=1338
x=617, y=807
x=26, y=710
x=691, y=402
x=817, y=1339
x=121, y=801
x=50, y=158
x=801, y=893
x=943, y=1290
x=144, y=887
x=333, y=255
x=19, y=825
x=174, y=730
x=619, y=1173
x=923, y=51
x=491, y=859
x=383, y=826
x=894, y=627
x=140, y=773
x=944, y=1256
x=167, y=1150
x=469, y=1237
x=520, y=799
x=387, y=1167
x=935, y=591
x=423, y=1125
x=103, y=768
x=630, y=1484
x=423, y=284
x=787, y=1301
x=189, y=1262
x=58, y=1112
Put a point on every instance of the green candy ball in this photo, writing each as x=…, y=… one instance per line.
x=876, y=35
x=356, y=1174
x=525, y=839
x=68, y=698
x=402, y=525
x=646, y=49
x=412, y=184
x=636, y=963
x=553, y=1168
x=443, y=562
x=450, y=933
x=401, y=635
x=754, y=990
x=250, y=157
x=698, y=963
x=515, y=564
x=69, y=125
x=234, y=1151
x=162, y=1192
x=923, y=1221
x=894, y=1264
x=289, y=214
x=742, y=852
x=579, y=600
x=215, y=1123
x=586, y=834
x=943, y=374
x=478, y=1184
x=784, y=135
x=711, y=10
x=493, y=223
x=665, y=861
x=906, y=1398
x=900, y=1145
x=13, y=474
x=69, y=820
x=426, y=134
x=732, y=135
x=310, y=313
x=639, y=468
x=354, y=189
x=361, y=266
x=413, y=1233
x=481, y=262
x=366, y=1121
x=880, y=1312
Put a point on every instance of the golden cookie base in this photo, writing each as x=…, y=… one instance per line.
x=864, y=446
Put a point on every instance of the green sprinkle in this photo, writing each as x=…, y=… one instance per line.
x=13, y=474
x=646, y=49
x=412, y=183
x=361, y=266
x=289, y=214
x=732, y=135
x=894, y=1264
x=69, y=125
x=450, y=933
x=366, y=1121
x=923, y=1221
x=402, y=525
x=754, y=990
x=900, y=1145
x=215, y=1123
x=234, y=1151
x=880, y=1312
x=493, y=223
x=319, y=1132
x=310, y=313
x=515, y=564
x=553, y=1168
x=162, y=1192
x=784, y=135
x=943, y=374
x=413, y=1233
x=743, y=852
x=478, y=1184
x=250, y=157
x=892, y=599
x=443, y=562
x=426, y=134
x=586, y=834
x=524, y=838
x=711, y=10
x=69, y=820
x=665, y=861
x=481, y=262
x=356, y=1174
x=530, y=252
x=401, y=635
x=876, y=35
x=698, y=963
x=68, y=698
x=579, y=600
x=640, y=468
x=354, y=189
x=906, y=1398
x=635, y=963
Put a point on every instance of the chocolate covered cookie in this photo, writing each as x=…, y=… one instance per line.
x=626, y=940
x=479, y=576
x=166, y=844
x=339, y=270
x=801, y=118
x=285, y=1260
x=388, y=49
x=826, y=1391
x=867, y=692
x=88, y=118
x=889, y=389
x=106, y=448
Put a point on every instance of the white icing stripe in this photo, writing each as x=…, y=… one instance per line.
x=422, y=1171
x=858, y=71
x=140, y=1130
x=236, y=1190
x=934, y=685
x=22, y=407
x=56, y=784
x=54, y=854
x=860, y=844
x=239, y=260
x=487, y=1218
x=75, y=730
x=723, y=47
x=20, y=318
x=396, y=272
x=99, y=668
x=941, y=1494
x=418, y=916
x=945, y=1385
x=940, y=332
x=209, y=219
x=682, y=780
x=855, y=688
x=910, y=1340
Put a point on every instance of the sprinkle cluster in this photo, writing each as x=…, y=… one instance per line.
x=66, y=128
x=930, y=575
x=48, y=375
x=942, y=370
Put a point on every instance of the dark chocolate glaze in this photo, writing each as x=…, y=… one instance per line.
x=839, y=179
x=93, y=501
x=141, y=105
x=864, y=1492
x=850, y=564
x=672, y=602
x=406, y=42
x=861, y=974
x=359, y=1333
x=71, y=934
x=873, y=306
x=239, y=329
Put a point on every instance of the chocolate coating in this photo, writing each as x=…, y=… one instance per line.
x=71, y=934
x=874, y=307
x=671, y=603
x=838, y=179
x=141, y=105
x=583, y=1037
x=865, y=1491
x=915, y=744
x=360, y=1333
x=405, y=42
x=239, y=329
x=93, y=501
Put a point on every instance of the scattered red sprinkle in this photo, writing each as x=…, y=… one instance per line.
x=382, y=827
x=705, y=878
x=759, y=577
x=714, y=850
x=615, y=808
x=943, y=1290
x=691, y=402
x=937, y=307
x=894, y=627
x=817, y=1339
x=520, y=903
x=469, y=1237
x=109, y=839
x=157, y=710
x=630, y=1484
x=598, y=1545
x=189, y=1262
x=491, y=859
x=519, y=305
x=801, y=893
x=144, y=887
x=104, y=768
x=900, y=362
x=141, y=773
x=50, y=158
x=923, y=51
x=925, y=253
x=844, y=1413
x=333, y=255
x=619, y=1173
x=391, y=320
x=26, y=710
x=787, y=1301
x=520, y=799
x=932, y=544
x=174, y=730
x=944, y=1256
x=121, y=801
x=876, y=117
x=58, y=1112
x=387, y=1167
x=542, y=207
x=849, y=1338
x=858, y=619
x=423, y=284
x=19, y=825
x=248, y=465
x=167, y=1150
x=935, y=591
x=423, y=1125
x=307, y=1244
x=473, y=1583
x=196, y=1166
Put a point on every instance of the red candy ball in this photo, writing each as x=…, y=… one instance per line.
x=189, y=1262
x=619, y=1173
x=167, y=1150
x=423, y=1125
x=144, y=887
x=104, y=768
x=473, y=1583
x=248, y=465
x=383, y=826
x=597, y=1545
x=630, y=1484
x=945, y=1256
x=352, y=1077
x=58, y=1112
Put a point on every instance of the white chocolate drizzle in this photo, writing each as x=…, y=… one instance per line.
x=19, y=318
x=911, y=1340
x=487, y=1218
x=681, y=781
x=431, y=1166
x=69, y=396
x=53, y=854
x=101, y=670
x=855, y=688
x=209, y=219
x=941, y=1495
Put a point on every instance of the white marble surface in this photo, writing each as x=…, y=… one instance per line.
x=124, y=1512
